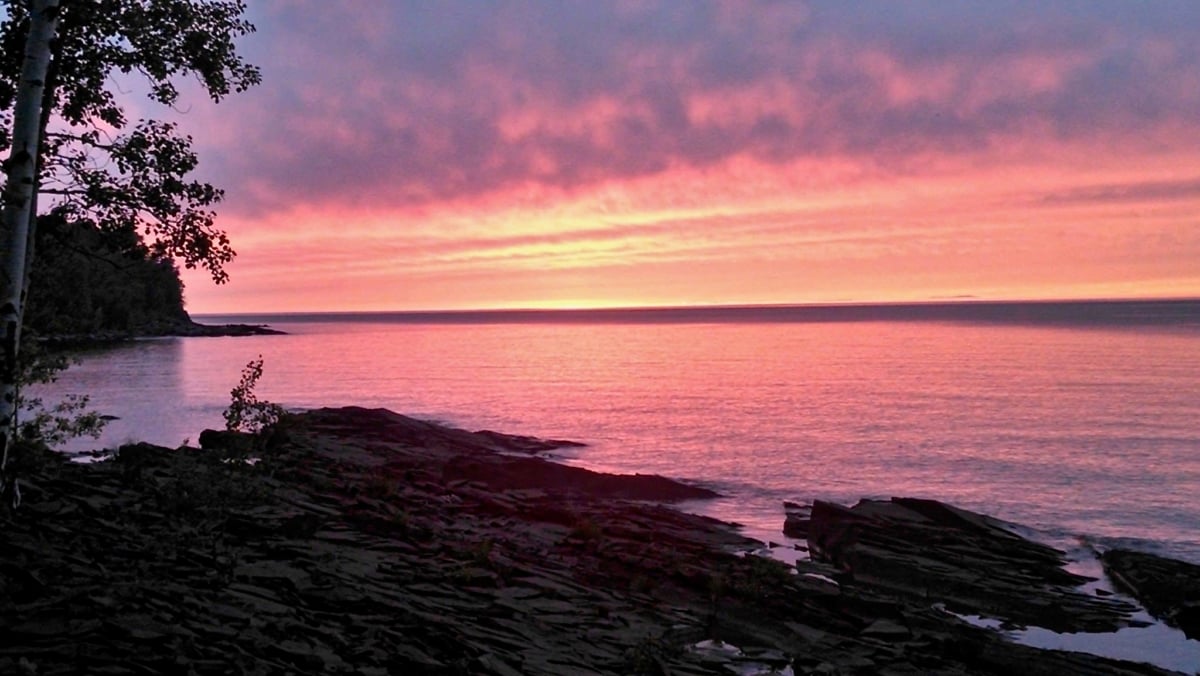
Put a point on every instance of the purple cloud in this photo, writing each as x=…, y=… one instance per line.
x=399, y=104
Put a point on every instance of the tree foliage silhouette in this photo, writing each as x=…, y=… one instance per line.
x=72, y=149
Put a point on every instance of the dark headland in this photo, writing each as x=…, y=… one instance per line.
x=365, y=542
x=182, y=327
x=91, y=287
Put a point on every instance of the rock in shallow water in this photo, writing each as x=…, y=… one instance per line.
x=924, y=549
x=1169, y=589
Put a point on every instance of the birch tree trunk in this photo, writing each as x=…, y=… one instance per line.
x=18, y=200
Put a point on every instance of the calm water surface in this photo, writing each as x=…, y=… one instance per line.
x=1078, y=430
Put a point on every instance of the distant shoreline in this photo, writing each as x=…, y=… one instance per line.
x=188, y=329
x=1140, y=312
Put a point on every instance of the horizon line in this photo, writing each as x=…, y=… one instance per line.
x=931, y=302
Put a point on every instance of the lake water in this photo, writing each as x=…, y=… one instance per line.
x=1080, y=420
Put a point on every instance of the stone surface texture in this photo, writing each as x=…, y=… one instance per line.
x=364, y=542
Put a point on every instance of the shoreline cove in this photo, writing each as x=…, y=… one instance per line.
x=368, y=542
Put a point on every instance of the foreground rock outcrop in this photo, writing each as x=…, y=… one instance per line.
x=364, y=542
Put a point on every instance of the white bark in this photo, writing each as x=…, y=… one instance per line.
x=18, y=199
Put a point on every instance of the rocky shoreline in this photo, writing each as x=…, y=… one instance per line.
x=181, y=329
x=365, y=542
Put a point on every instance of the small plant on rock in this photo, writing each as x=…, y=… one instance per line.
x=246, y=413
x=252, y=426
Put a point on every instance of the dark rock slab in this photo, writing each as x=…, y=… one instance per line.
x=523, y=473
x=1169, y=589
x=796, y=519
x=525, y=444
x=225, y=440
x=385, y=425
x=472, y=457
x=928, y=550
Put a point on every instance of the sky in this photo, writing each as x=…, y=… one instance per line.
x=477, y=154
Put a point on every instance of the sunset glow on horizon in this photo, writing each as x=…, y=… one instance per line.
x=551, y=155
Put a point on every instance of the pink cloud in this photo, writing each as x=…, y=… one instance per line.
x=403, y=143
x=407, y=104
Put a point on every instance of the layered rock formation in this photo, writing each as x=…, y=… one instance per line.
x=1169, y=589
x=364, y=542
x=932, y=552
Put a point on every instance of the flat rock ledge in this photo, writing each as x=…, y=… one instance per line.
x=364, y=542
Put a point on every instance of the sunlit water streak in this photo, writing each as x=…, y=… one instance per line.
x=1087, y=430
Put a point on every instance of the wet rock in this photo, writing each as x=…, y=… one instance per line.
x=1169, y=589
x=796, y=519
x=934, y=552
